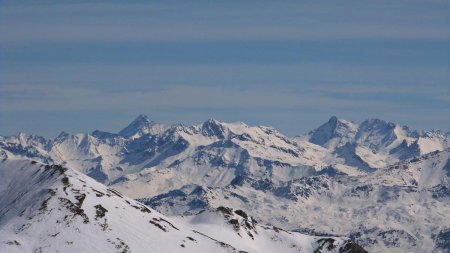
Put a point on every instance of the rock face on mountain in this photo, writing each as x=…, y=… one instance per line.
x=142, y=125
x=402, y=208
x=375, y=143
x=48, y=208
x=335, y=133
x=380, y=183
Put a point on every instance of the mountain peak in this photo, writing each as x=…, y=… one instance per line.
x=63, y=135
x=377, y=126
x=138, y=127
x=140, y=119
x=213, y=127
x=378, y=123
x=212, y=121
x=335, y=128
x=333, y=119
x=377, y=133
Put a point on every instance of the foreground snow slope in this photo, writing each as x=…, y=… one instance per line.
x=47, y=208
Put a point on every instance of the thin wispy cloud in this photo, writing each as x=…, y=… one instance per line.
x=158, y=23
x=51, y=98
x=90, y=33
x=290, y=65
x=19, y=98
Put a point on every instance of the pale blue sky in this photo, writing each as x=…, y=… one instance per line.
x=78, y=66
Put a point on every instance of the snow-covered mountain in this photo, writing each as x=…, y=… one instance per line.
x=339, y=179
x=212, y=154
x=403, y=208
x=375, y=143
x=48, y=208
x=146, y=158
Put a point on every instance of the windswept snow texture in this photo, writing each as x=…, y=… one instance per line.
x=47, y=208
x=382, y=184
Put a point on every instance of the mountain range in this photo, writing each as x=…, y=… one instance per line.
x=382, y=185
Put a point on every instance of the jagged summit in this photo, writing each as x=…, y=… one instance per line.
x=140, y=126
x=62, y=135
x=333, y=118
x=141, y=122
x=378, y=122
x=335, y=132
x=213, y=127
x=212, y=121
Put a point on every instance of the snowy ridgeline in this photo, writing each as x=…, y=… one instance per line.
x=381, y=184
x=53, y=209
x=215, y=153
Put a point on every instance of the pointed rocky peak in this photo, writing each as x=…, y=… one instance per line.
x=213, y=127
x=333, y=119
x=333, y=133
x=140, y=126
x=339, y=126
x=211, y=122
x=62, y=136
x=142, y=118
x=140, y=122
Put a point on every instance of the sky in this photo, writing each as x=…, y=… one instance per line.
x=77, y=66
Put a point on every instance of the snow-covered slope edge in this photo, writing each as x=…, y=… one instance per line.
x=48, y=208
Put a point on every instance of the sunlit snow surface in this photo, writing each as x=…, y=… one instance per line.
x=378, y=182
x=53, y=209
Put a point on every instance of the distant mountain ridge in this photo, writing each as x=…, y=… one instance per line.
x=143, y=144
x=374, y=138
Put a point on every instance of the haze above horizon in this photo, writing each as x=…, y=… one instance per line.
x=79, y=66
